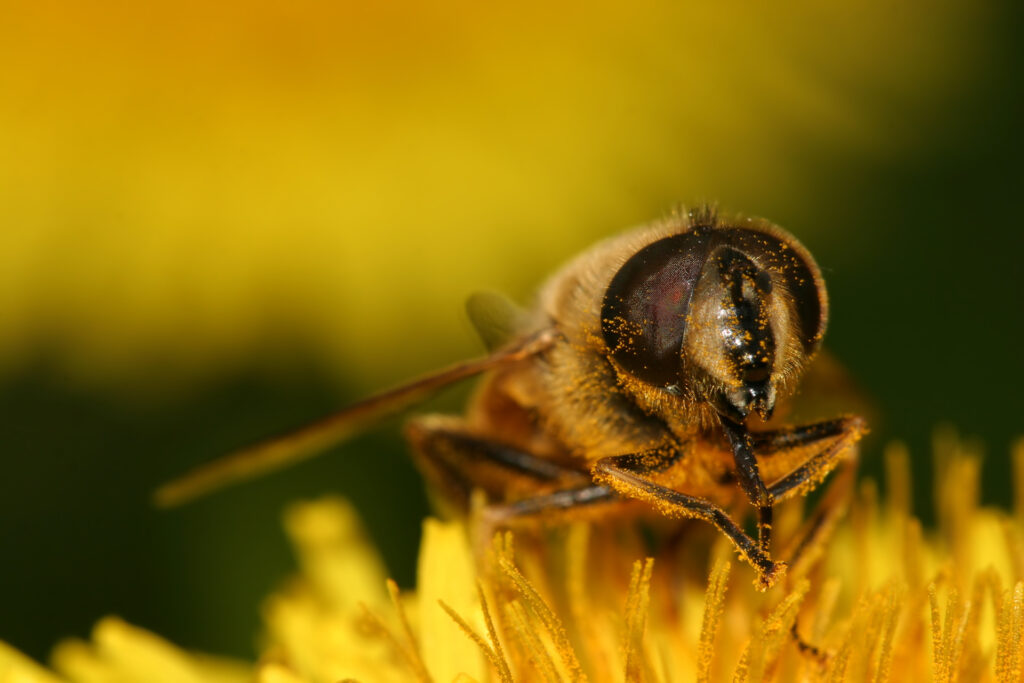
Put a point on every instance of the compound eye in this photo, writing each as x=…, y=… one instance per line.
x=794, y=268
x=645, y=308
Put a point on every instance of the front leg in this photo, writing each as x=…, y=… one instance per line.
x=629, y=476
x=796, y=460
x=749, y=476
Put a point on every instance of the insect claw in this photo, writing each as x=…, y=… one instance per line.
x=767, y=579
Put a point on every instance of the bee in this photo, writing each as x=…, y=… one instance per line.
x=655, y=370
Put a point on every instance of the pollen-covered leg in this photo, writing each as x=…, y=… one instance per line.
x=797, y=460
x=749, y=476
x=628, y=475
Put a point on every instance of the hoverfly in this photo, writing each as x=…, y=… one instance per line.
x=655, y=369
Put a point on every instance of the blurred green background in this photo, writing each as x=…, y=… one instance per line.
x=217, y=223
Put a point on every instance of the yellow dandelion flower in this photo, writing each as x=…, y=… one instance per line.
x=119, y=652
x=881, y=600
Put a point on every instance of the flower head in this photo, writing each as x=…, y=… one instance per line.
x=881, y=599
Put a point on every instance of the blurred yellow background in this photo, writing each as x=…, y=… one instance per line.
x=186, y=184
x=220, y=220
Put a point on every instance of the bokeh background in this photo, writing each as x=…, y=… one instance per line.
x=218, y=221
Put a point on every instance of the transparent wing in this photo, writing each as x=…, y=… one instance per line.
x=497, y=319
x=311, y=440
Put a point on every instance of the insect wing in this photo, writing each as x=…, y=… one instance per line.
x=314, y=438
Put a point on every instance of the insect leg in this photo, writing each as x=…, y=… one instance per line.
x=798, y=459
x=561, y=501
x=557, y=506
x=795, y=459
x=750, y=479
x=456, y=461
x=628, y=475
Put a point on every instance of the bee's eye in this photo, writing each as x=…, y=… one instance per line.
x=647, y=305
x=793, y=268
x=645, y=308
